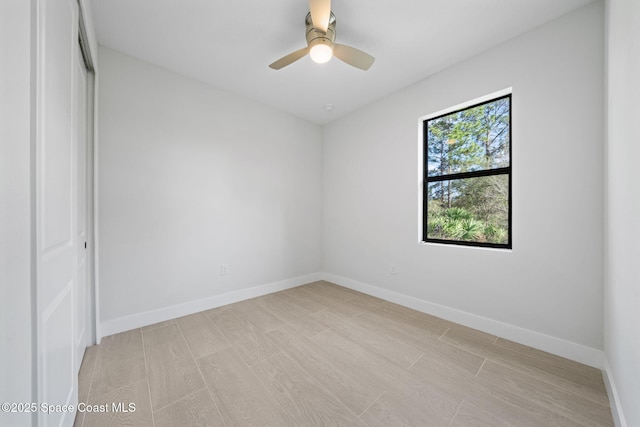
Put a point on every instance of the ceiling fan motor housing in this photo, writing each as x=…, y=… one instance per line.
x=315, y=37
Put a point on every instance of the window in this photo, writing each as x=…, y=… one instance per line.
x=467, y=176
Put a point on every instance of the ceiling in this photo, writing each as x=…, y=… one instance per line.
x=229, y=44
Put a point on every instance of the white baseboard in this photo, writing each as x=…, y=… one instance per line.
x=567, y=349
x=138, y=320
x=614, y=400
x=570, y=350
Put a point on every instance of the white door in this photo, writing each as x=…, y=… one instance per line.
x=82, y=284
x=56, y=227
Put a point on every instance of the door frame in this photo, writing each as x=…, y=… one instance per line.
x=88, y=56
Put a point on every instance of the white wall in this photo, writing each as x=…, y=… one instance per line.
x=550, y=284
x=15, y=209
x=622, y=280
x=190, y=178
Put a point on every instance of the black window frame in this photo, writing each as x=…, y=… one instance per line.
x=465, y=175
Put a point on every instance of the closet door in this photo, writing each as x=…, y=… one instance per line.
x=56, y=194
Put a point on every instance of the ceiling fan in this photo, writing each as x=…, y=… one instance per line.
x=321, y=45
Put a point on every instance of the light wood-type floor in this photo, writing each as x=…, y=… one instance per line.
x=323, y=355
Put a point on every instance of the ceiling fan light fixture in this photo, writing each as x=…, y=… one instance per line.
x=320, y=32
x=321, y=51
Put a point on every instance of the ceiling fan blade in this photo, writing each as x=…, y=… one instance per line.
x=320, y=14
x=353, y=56
x=290, y=58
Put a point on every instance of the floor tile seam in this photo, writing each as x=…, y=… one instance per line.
x=265, y=337
x=443, y=334
x=374, y=350
x=255, y=362
x=266, y=388
x=533, y=409
x=153, y=326
x=375, y=353
x=206, y=318
x=416, y=361
x=128, y=383
x=186, y=344
x=106, y=344
x=416, y=321
x=274, y=314
x=79, y=414
x=91, y=383
x=468, y=350
x=328, y=362
x=319, y=301
x=93, y=371
x=316, y=312
x=558, y=386
x=299, y=309
x=226, y=335
x=456, y=413
x=327, y=328
x=186, y=341
x=542, y=360
x=480, y=368
x=215, y=404
x=120, y=361
x=153, y=419
x=164, y=364
x=362, y=311
x=551, y=409
x=440, y=338
x=536, y=350
x=186, y=396
x=529, y=373
x=353, y=298
x=237, y=357
x=394, y=337
x=515, y=366
x=95, y=362
x=278, y=353
x=146, y=371
x=204, y=381
x=323, y=300
x=247, y=317
x=217, y=328
x=119, y=389
x=117, y=359
x=211, y=353
x=498, y=416
x=272, y=329
x=402, y=324
x=144, y=345
x=372, y=403
x=315, y=382
x=301, y=299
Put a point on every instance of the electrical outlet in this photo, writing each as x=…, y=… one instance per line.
x=393, y=269
x=224, y=270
